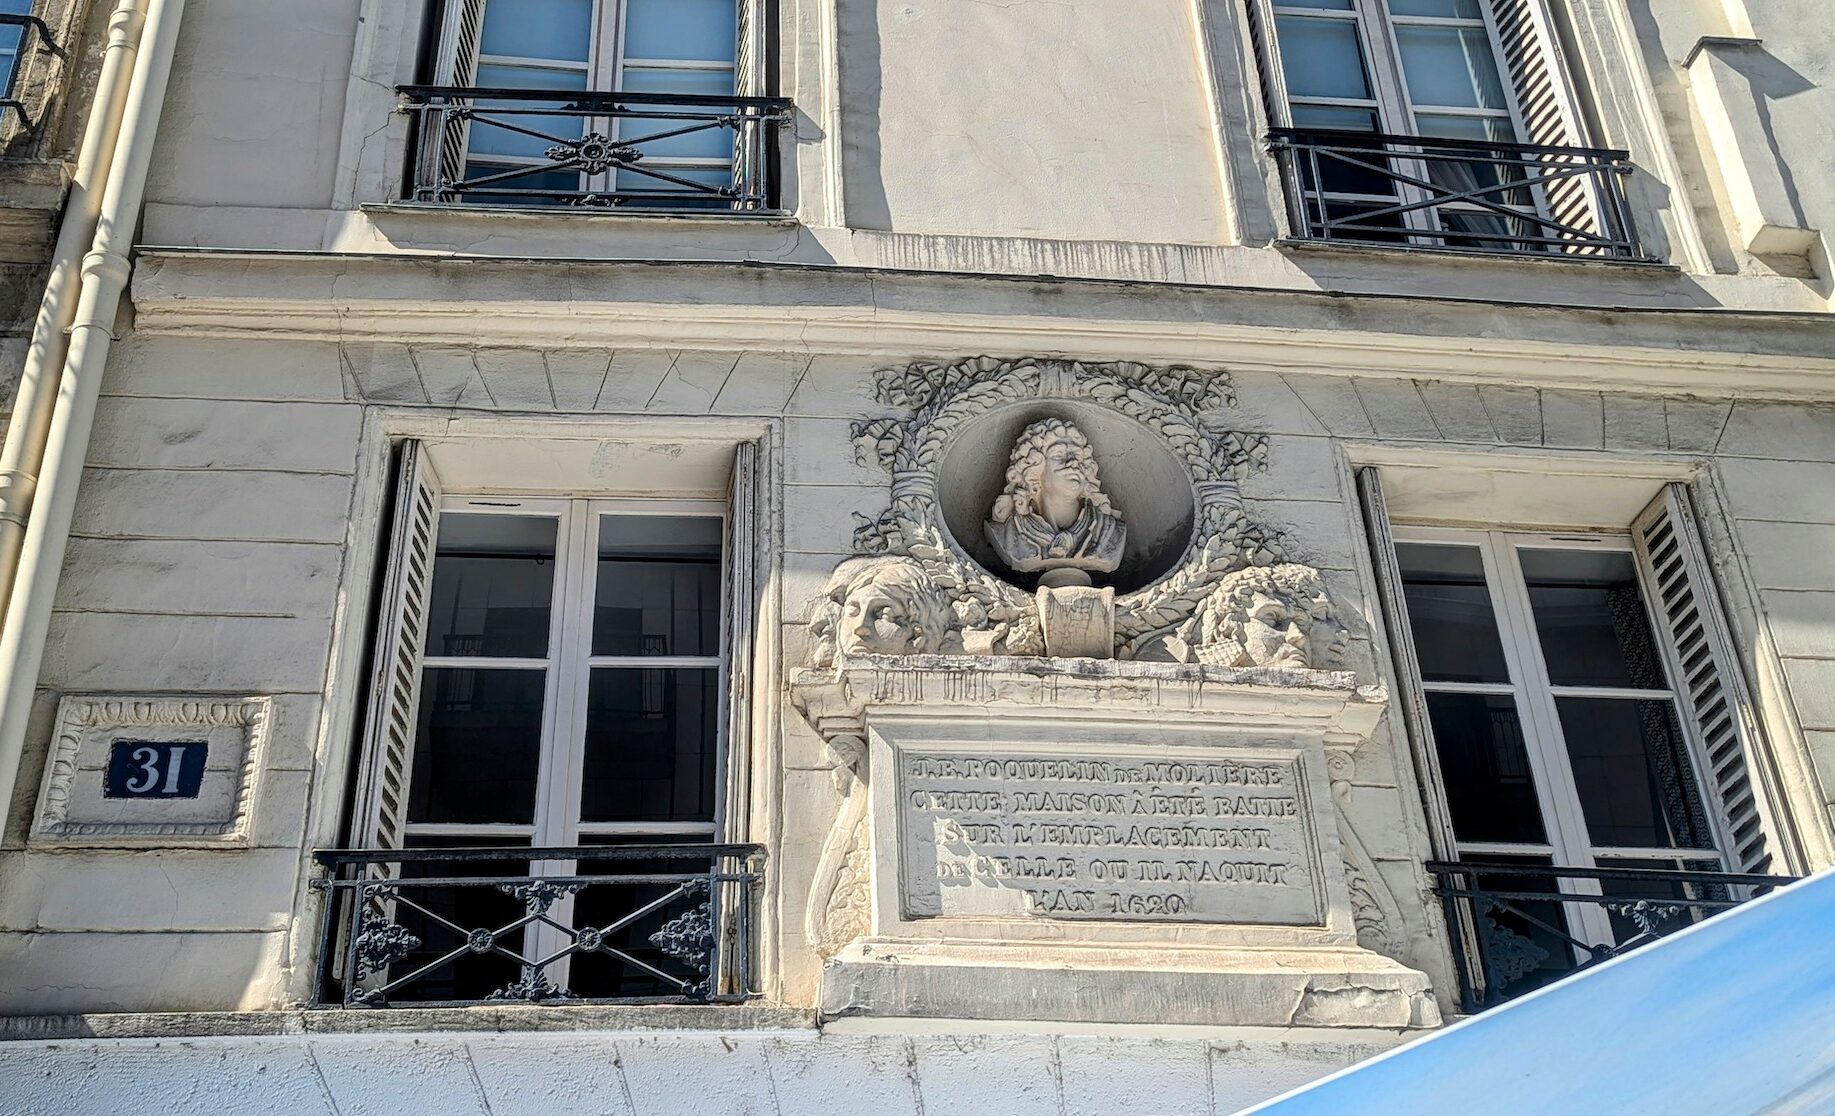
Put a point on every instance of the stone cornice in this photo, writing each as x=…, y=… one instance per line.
x=750, y=306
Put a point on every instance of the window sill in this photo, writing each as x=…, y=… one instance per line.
x=529, y=1018
x=600, y=218
x=1308, y=246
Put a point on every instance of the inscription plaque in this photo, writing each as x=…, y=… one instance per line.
x=1081, y=835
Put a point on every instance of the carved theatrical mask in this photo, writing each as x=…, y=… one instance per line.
x=880, y=606
x=1053, y=514
x=1263, y=616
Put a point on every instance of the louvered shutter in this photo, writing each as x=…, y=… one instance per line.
x=380, y=811
x=738, y=620
x=750, y=151
x=1546, y=102
x=1709, y=685
x=1404, y=664
x=461, y=33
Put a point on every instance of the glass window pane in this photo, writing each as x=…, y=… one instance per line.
x=704, y=30
x=1449, y=612
x=610, y=903
x=1338, y=119
x=470, y=975
x=559, y=29
x=477, y=742
x=1445, y=9
x=503, y=127
x=493, y=586
x=715, y=178
x=658, y=590
x=1321, y=57
x=712, y=140
x=549, y=182
x=1590, y=618
x=1491, y=129
x=1450, y=66
x=1324, y=5
x=1636, y=782
x=651, y=735
x=1533, y=929
x=1485, y=766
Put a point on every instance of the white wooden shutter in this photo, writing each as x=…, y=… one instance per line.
x=737, y=620
x=461, y=32
x=1405, y=665
x=380, y=811
x=1705, y=673
x=1546, y=102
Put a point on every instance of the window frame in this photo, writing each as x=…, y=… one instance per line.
x=569, y=663
x=605, y=68
x=1390, y=102
x=1566, y=842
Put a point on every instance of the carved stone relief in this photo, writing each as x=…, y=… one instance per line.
x=1084, y=528
x=1054, y=540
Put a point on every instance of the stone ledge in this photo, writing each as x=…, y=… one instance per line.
x=336, y=1021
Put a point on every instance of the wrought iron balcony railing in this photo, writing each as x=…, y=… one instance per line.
x=1517, y=927
x=603, y=923
x=666, y=152
x=15, y=31
x=1456, y=194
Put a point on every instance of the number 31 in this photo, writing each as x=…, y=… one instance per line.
x=149, y=760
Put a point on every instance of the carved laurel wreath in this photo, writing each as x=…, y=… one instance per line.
x=940, y=399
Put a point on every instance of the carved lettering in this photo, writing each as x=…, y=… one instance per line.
x=1106, y=838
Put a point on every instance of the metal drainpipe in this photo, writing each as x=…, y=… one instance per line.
x=105, y=273
x=23, y=452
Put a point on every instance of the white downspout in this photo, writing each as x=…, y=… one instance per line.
x=23, y=452
x=105, y=273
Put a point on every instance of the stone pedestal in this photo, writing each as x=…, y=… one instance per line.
x=1100, y=841
x=1078, y=621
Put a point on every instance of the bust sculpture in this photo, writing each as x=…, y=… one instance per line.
x=1053, y=517
x=1263, y=616
x=880, y=606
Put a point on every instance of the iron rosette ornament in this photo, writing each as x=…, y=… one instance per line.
x=1235, y=597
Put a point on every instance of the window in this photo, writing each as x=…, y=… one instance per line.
x=1408, y=122
x=16, y=22
x=634, y=103
x=1582, y=728
x=551, y=674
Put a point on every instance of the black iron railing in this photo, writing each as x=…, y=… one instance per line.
x=664, y=152
x=1517, y=927
x=609, y=923
x=15, y=31
x=1456, y=194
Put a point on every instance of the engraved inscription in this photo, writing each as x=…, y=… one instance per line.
x=1107, y=837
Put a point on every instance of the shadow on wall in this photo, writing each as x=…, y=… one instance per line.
x=862, y=176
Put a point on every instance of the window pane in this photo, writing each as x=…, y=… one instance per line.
x=1325, y=5
x=560, y=29
x=1339, y=119
x=704, y=30
x=1637, y=786
x=609, y=904
x=470, y=975
x=494, y=127
x=493, y=586
x=1321, y=57
x=712, y=141
x=550, y=181
x=1534, y=929
x=658, y=590
x=1446, y=9
x=716, y=178
x=1485, y=766
x=477, y=742
x=1449, y=612
x=650, y=740
x=1490, y=129
x=1590, y=618
x=1451, y=66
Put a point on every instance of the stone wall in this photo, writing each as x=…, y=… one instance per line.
x=228, y=478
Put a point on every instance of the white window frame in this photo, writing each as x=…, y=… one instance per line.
x=569, y=663
x=604, y=68
x=1530, y=688
x=1390, y=100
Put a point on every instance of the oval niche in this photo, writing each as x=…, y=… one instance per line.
x=1144, y=481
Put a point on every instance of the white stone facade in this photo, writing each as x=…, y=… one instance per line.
x=1076, y=185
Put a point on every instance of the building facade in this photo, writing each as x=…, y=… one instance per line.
x=1167, y=546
